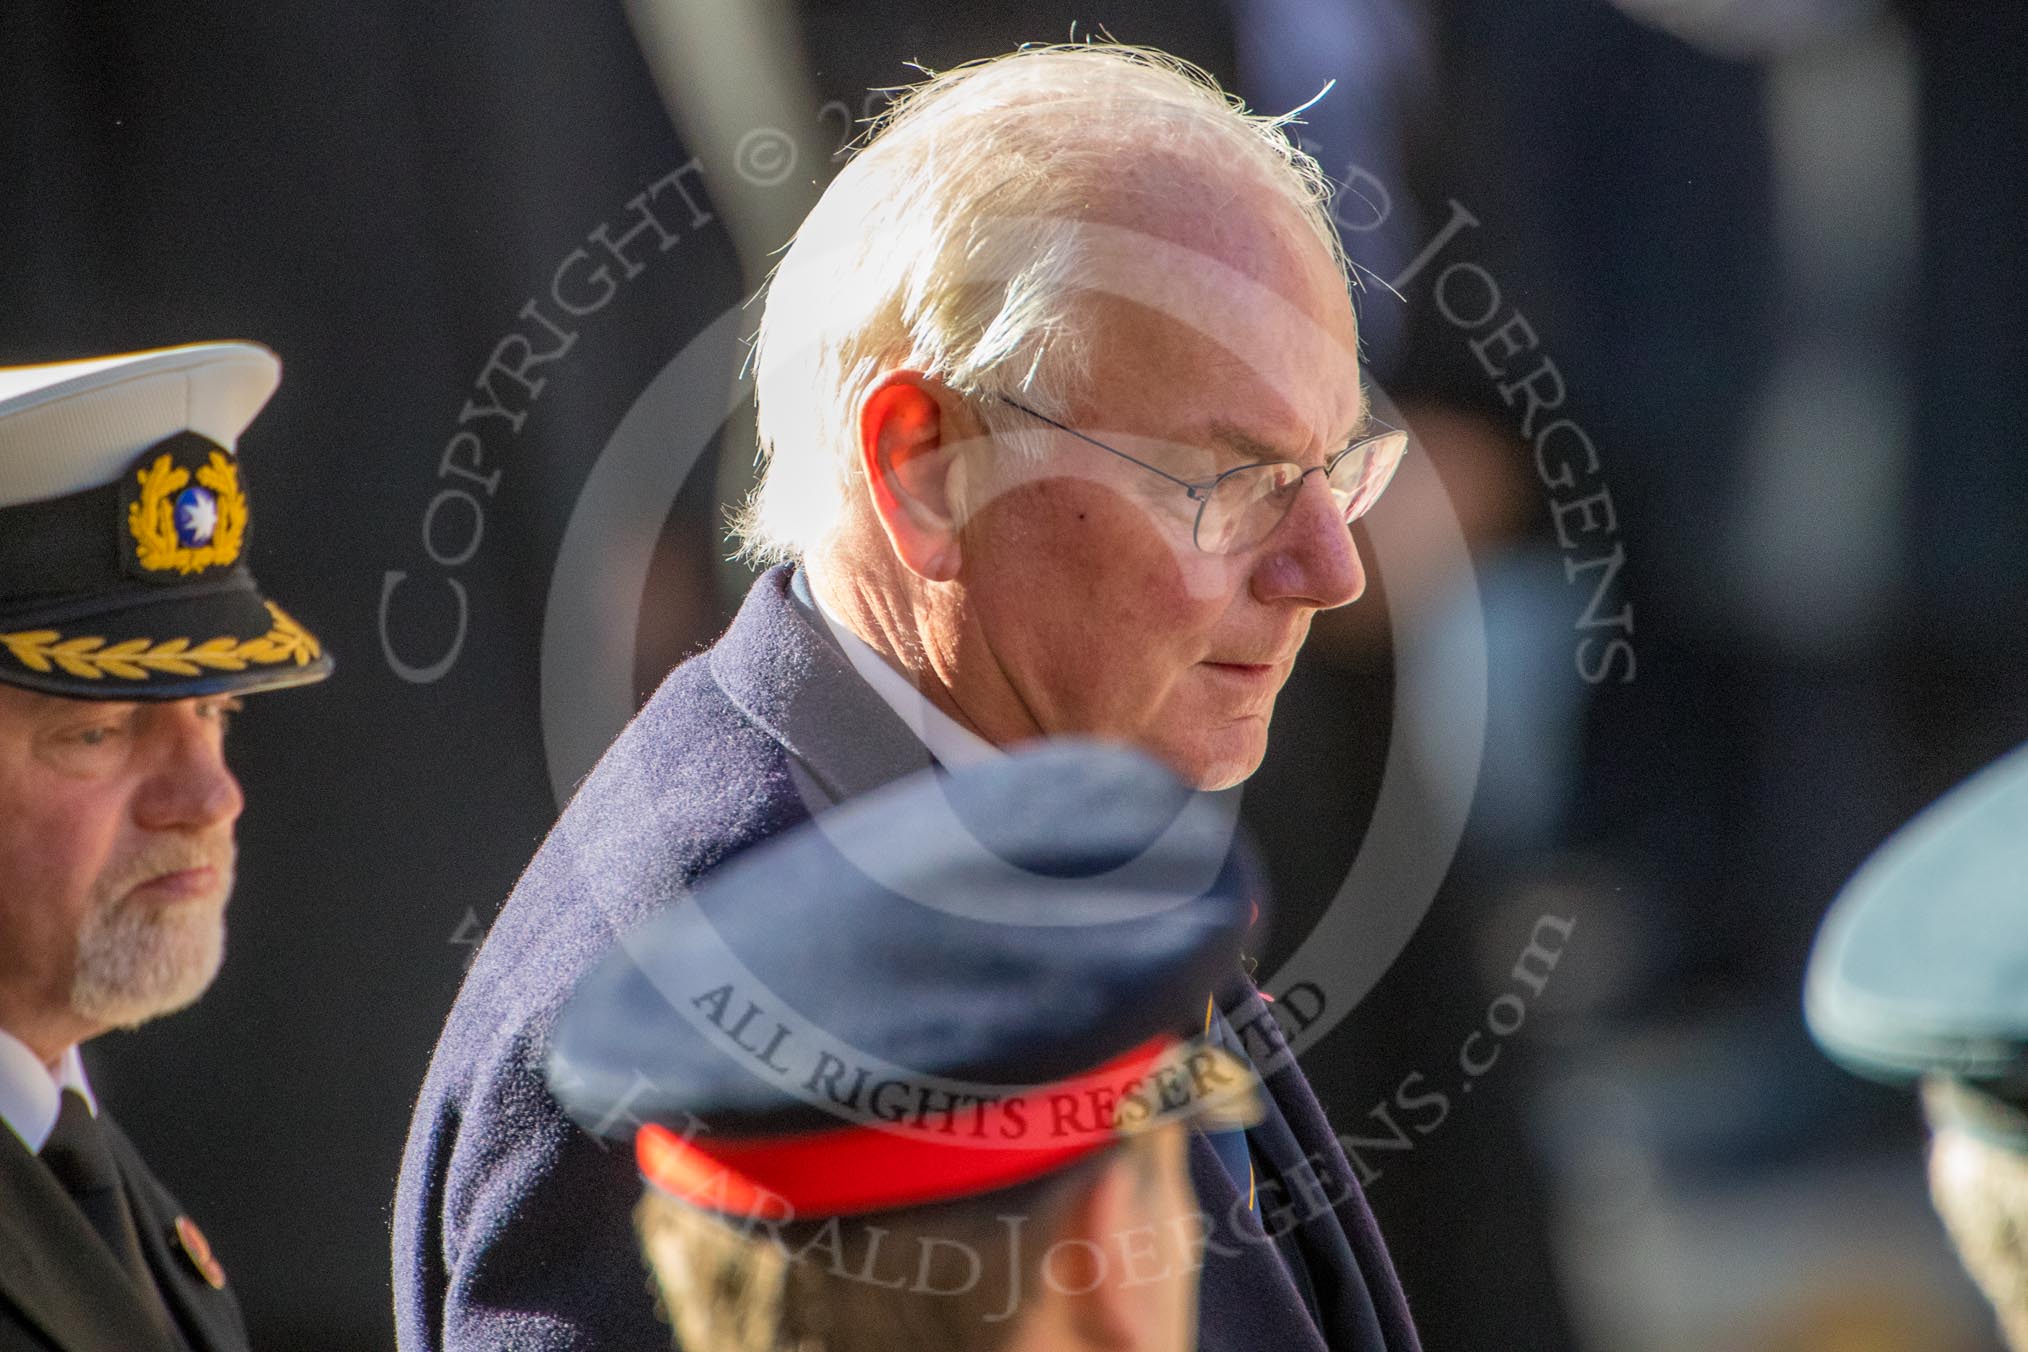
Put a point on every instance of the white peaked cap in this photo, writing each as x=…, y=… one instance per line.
x=72, y=425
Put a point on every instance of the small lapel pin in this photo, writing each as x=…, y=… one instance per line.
x=198, y=1250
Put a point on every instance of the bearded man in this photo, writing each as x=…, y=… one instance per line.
x=1060, y=394
x=129, y=627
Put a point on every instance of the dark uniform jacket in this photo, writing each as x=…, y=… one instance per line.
x=512, y=1225
x=61, y=1289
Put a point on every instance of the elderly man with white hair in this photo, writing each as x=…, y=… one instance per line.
x=1059, y=393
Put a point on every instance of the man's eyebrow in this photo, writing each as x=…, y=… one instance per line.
x=1251, y=448
x=1243, y=444
x=61, y=710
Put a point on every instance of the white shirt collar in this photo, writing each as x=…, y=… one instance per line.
x=30, y=1095
x=952, y=743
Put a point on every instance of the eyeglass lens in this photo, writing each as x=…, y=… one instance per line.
x=1249, y=503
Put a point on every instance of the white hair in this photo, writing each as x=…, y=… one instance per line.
x=1980, y=1187
x=950, y=245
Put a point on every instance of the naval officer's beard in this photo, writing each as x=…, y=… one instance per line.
x=140, y=956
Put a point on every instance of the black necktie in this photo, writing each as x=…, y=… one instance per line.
x=77, y=1153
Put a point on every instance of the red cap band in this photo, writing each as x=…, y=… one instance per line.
x=971, y=1149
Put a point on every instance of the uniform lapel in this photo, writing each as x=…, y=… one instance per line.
x=1245, y=1296
x=209, y=1317
x=1362, y=1298
x=1299, y=1202
x=56, y=1271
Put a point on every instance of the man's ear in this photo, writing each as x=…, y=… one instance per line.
x=1085, y=1259
x=908, y=455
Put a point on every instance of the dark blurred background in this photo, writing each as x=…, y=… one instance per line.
x=1761, y=596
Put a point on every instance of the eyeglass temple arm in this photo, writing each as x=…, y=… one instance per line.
x=1195, y=489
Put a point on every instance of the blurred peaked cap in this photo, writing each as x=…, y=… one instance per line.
x=77, y=424
x=124, y=523
x=1921, y=967
x=1015, y=923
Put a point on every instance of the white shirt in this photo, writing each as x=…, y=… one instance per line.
x=30, y=1095
x=951, y=742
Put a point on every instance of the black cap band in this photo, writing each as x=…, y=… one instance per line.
x=82, y=544
x=58, y=548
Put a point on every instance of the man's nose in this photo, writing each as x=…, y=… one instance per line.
x=1310, y=557
x=189, y=786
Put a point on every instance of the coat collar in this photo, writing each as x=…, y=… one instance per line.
x=30, y=1095
x=785, y=673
